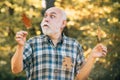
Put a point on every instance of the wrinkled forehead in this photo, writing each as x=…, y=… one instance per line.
x=54, y=10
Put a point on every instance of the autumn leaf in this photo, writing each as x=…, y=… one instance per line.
x=26, y=21
x=99, y=34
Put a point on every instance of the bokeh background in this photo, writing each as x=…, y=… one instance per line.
x=84, y=18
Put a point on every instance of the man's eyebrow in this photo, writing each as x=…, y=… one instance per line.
x=52, y=13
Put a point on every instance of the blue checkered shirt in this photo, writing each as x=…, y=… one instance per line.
x=44, y=61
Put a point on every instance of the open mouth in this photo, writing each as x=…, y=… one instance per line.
x=45, y=25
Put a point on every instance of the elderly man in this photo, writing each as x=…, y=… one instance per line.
x=53, y=56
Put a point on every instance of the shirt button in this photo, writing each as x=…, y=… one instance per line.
x=55, y=70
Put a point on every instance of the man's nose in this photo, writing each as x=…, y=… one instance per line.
x=46, y=19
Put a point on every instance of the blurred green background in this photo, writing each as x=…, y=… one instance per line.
x=84, y=17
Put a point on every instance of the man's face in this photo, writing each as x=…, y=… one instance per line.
x=52, y=22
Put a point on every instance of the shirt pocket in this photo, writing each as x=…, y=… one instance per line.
x=68, y=63
x=68, y=67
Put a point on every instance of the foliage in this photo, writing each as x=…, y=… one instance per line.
x=84, y=17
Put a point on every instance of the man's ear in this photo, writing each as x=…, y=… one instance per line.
x=64, y=24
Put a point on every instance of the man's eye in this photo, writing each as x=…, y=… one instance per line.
x=52, y=16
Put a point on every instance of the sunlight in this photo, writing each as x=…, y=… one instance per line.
x=113, y=20
x=38, y=32
x=2, y=62
x=2, y=10
x=35, y=3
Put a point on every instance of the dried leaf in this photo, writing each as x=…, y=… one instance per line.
x=26, y=21
x=67, y=63
x=99, y=34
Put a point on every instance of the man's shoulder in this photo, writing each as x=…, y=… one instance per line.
x=70, y=39
x=33, y=39
x=73, y=41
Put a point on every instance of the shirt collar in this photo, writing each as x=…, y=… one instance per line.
x=47, y=38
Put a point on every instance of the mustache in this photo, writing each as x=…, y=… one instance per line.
x=44, y=24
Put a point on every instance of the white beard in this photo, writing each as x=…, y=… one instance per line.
x=48, y=31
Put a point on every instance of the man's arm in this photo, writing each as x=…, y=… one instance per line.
x=17, y=59
x=98, y=51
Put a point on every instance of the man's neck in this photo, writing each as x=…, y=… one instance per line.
x=55, y=38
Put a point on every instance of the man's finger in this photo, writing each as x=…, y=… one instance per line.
x=104, y=53
x=19, y=36
x=23, y=33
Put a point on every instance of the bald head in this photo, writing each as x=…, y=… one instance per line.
x=60, y=11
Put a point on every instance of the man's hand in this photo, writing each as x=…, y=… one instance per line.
x=99, y=51
x=21, y=37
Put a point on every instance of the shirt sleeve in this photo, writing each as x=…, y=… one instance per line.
x=80, y=59
x=27, y=55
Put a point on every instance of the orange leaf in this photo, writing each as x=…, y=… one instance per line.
x=26, y=21
x=99, y=34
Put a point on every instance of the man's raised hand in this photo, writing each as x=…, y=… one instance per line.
x=99, y=51
x=21, y=37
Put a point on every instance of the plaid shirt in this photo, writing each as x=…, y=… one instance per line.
x=44, y=61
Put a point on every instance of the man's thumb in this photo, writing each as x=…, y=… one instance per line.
x=25, y=33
